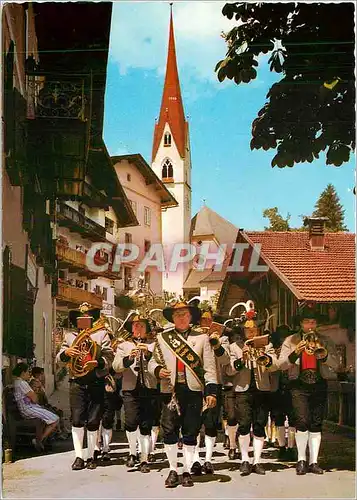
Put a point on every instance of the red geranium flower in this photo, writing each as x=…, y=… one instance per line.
x=250, y=314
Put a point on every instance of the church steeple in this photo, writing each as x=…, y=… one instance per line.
x=171, y=111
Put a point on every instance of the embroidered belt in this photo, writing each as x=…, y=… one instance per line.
x=309, y=376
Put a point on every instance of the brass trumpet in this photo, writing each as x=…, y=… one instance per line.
x=256, y=355
x=314, y=345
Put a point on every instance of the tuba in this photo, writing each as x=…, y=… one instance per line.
x=313, y=345
x=89, y=349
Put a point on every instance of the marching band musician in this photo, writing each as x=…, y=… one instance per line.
x=138, y=388
x=86, y=380
x=281, y=407
x=112, y=404
x=309, y=367
x=210, y=417
x=184, y=361
x=252, y=386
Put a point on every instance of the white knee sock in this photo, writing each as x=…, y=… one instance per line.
x=171, y=453
x=281, y=435
x=132, y=436
x=232, y=431
x=97, y=444
x=154, y=435
x=291, y=437
x=301, y=443
x=258, y=443
x=138, y=442
x=188, y=453
x=77, y=436
x=196, y=457
x=244, y=447
x=107, y=437
x=209, y=442
x=314, y=446
x=145, y=447
x=92, y=441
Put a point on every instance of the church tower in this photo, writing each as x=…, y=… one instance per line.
x=171, y=161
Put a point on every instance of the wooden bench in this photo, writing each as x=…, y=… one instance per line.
x=14, y=425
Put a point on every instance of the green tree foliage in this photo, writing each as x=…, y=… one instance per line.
x=277, y=222
x=328, y=205
x=311, y=109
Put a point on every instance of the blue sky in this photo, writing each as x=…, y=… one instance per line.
x=235, y=182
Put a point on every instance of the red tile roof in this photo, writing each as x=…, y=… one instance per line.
x=321, y=276
x=171, y=111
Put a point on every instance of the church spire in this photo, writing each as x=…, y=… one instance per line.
x=171, y=111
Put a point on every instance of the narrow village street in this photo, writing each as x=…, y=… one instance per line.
x=50, y=476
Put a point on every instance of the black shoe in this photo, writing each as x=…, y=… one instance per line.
x=232, y=454
x=172, y=480
x=315, y=469
x=282, y=455
x=151, y=458
x=245, y=468
x=106, y=456
x=96, y=454
x=78, y=464
x=207, y=468
x=196, y=469
x=258, y=469
x=301, y=468
x=91, y=463
x=187, y=480
x=226, y=443
x=144, y=467
x=131, y=461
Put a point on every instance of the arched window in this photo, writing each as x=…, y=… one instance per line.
x=167, y=171
x=167, y=139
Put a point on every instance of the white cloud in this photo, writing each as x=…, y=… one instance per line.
x=139, y=37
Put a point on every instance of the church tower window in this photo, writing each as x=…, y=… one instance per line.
x=167, y=139
x=167, y=171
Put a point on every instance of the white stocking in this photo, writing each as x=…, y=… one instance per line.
x=244, y=447
x=258, y=443
x=171, y=453
x=92, y=441
x=209, y=442
x=154, y=435
x=132, y=436
x=138, y=440
x=107, y=437
x=77, y=436
x=188, y=453
x=301, y=443
x=314, y=446
x=291, y=437
x=232, y=431
x=281, y=436
x=145, y=447
x=196, y=457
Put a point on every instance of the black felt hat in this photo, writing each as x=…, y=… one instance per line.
x=194, y=310
x=74, y=314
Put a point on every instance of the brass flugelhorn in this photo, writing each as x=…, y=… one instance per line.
x=314, y=346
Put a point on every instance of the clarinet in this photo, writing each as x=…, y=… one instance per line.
x=173, y=404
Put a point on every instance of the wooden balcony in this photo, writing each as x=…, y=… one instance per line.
x=75, y=262
x=79, y=223
x=72, y=296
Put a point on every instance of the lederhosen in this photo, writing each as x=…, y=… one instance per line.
x=113, y=401
x=308, y=394
x=252, y=409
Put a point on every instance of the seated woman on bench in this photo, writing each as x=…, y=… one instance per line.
x=27, y=403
